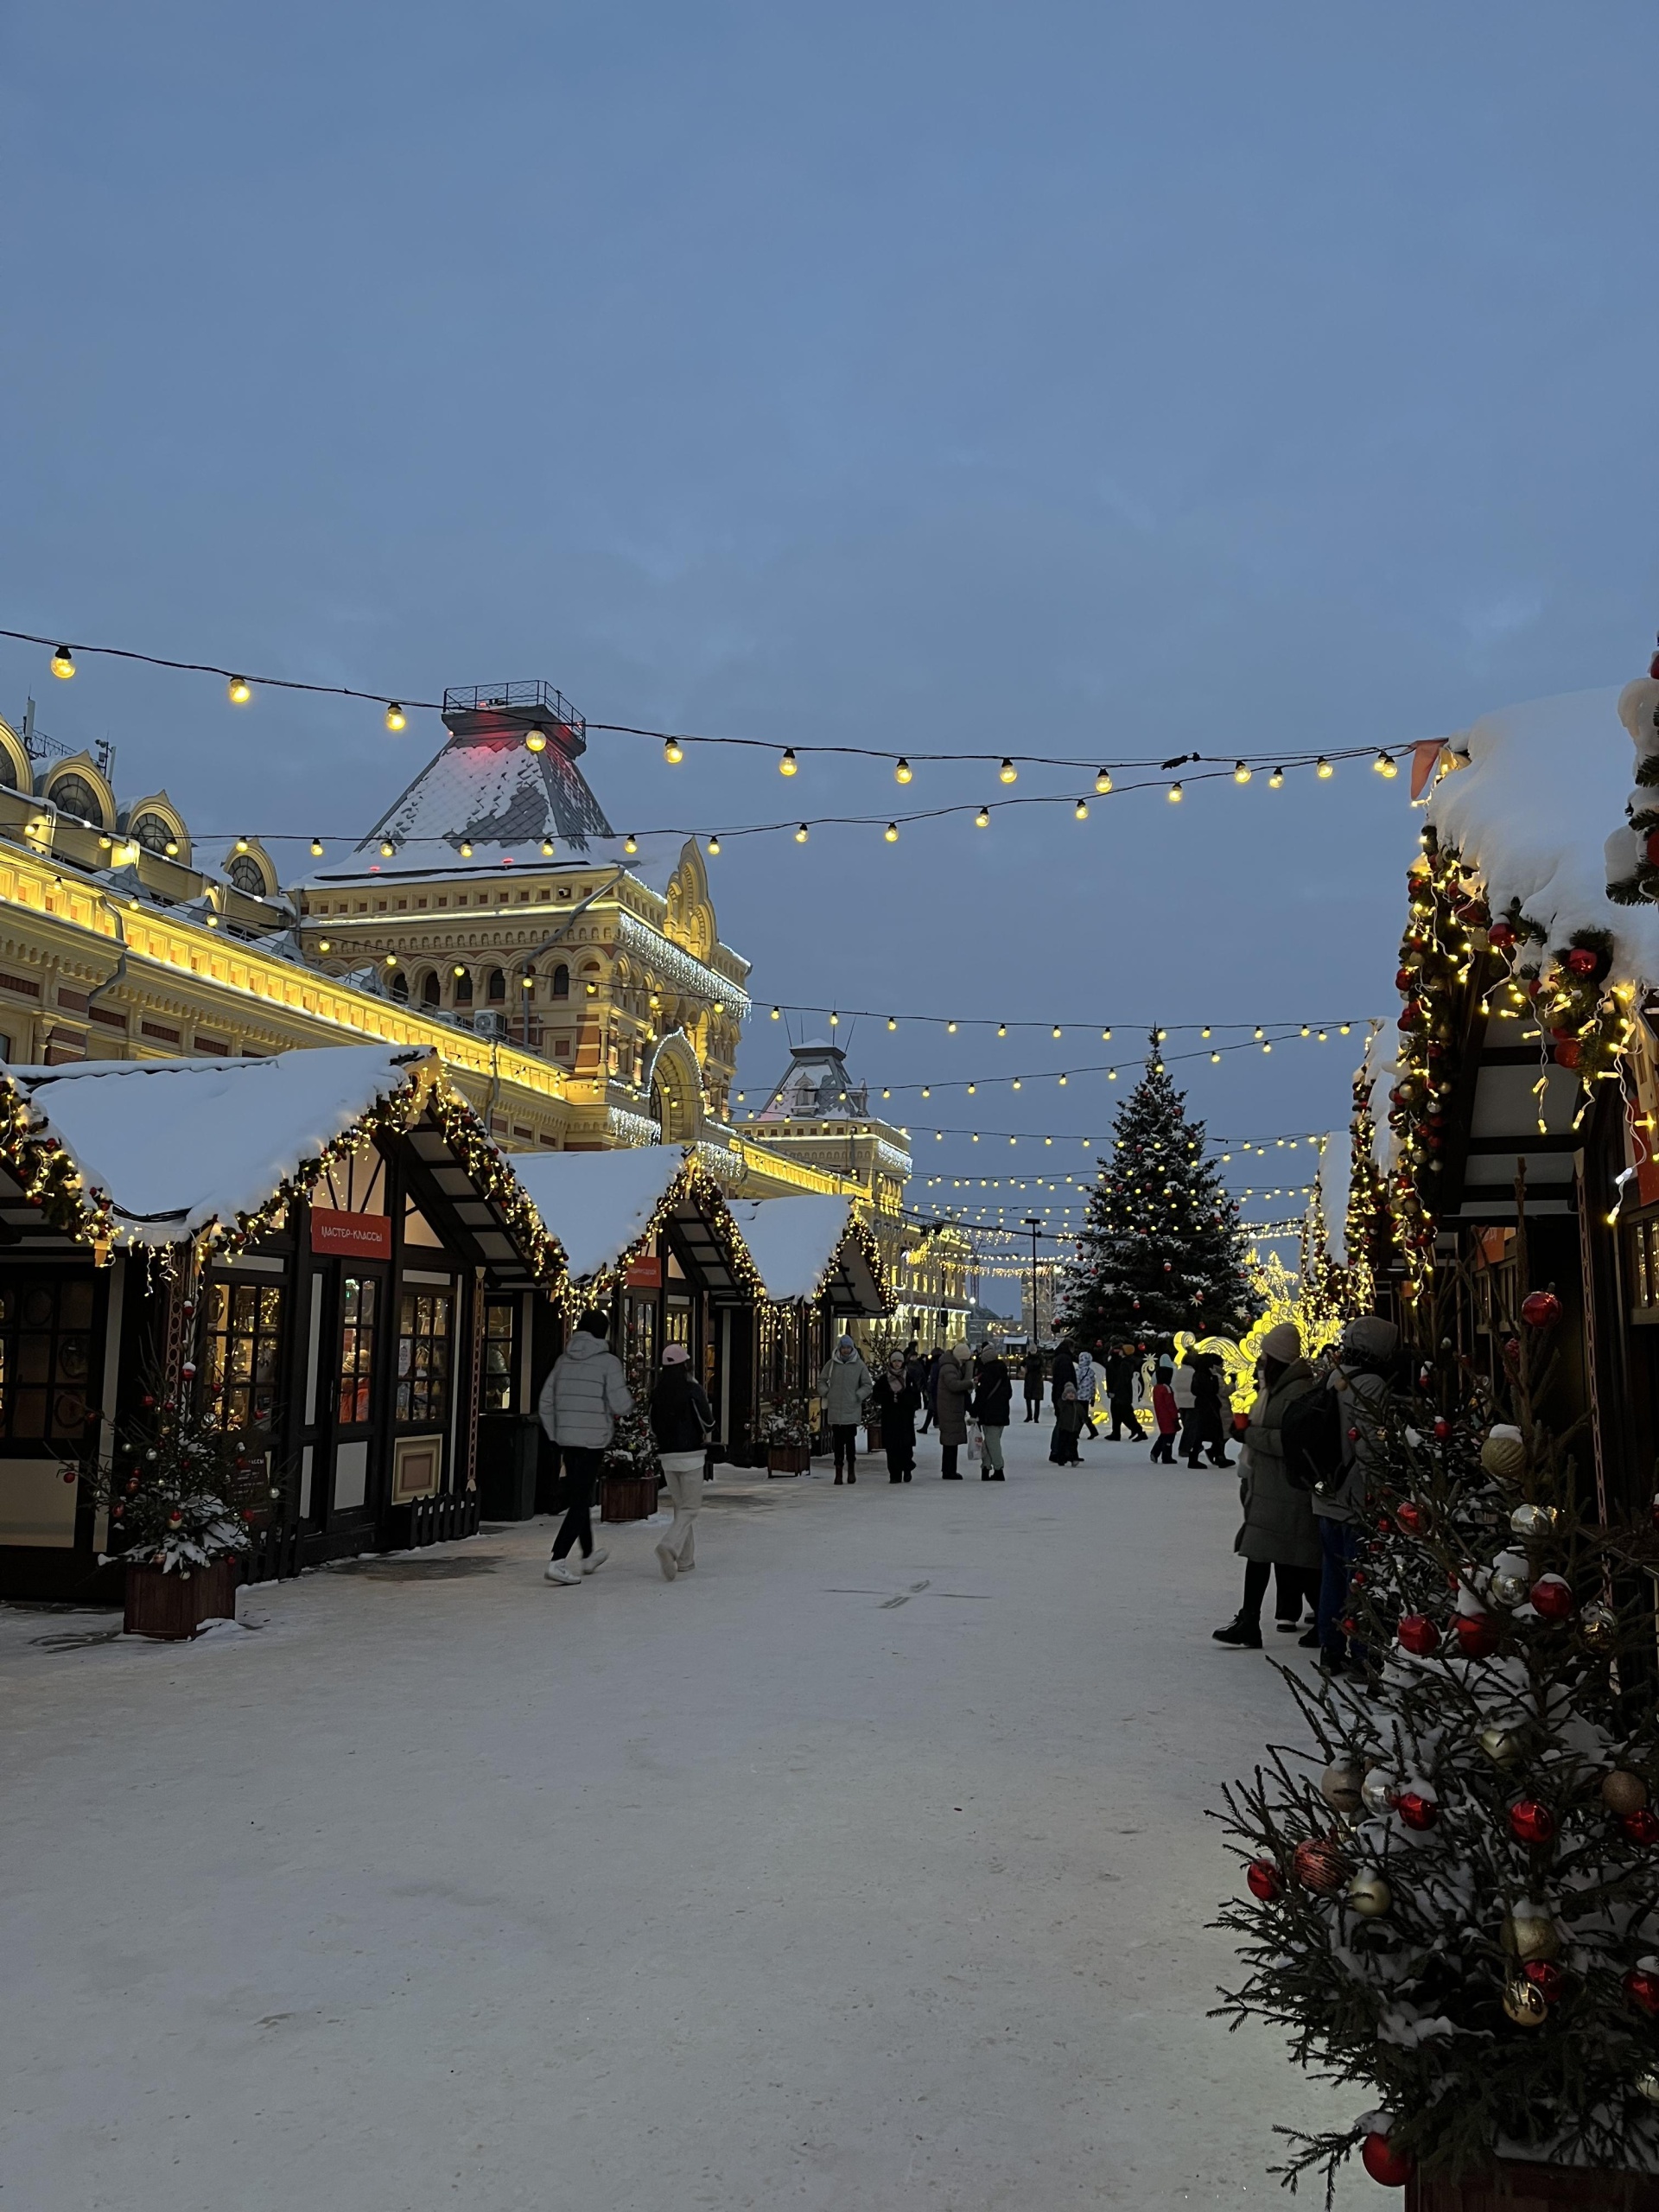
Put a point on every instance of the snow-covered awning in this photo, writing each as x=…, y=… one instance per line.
x=812, y=1246
x=606, y=1208
x=1534, y=810
x=157, y=1153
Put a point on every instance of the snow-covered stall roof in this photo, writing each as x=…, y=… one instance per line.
x=806, y=1245
x=599, y=1205
x=1536, y=813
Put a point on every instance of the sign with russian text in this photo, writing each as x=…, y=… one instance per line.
x=644, y=1275
x=358, y=1235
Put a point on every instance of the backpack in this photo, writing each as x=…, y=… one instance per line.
x=1312, y=1435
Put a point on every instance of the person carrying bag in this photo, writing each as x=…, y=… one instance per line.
x=681, y=1421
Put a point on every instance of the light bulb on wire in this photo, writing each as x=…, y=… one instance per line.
x=535, y=741
x=316, y=848
x=1241, y=773
x=395, y=718
x=788, y=764
x=903, y=772
x=1080, y=811
x=238, y=691
x=1102, y=780
x=63, y=663
x=1007, y=773
x=673, y=751
x=982, y=819
x=801, y=835
x=1276, y=780
x=891, y=833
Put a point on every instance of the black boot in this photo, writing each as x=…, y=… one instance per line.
x=1311, y=1641
x=1245, y=1636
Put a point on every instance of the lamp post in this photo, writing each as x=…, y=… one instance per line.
x=1033, y=1224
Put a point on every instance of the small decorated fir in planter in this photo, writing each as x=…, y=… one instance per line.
x=786, y=1428
x=1451, y=1891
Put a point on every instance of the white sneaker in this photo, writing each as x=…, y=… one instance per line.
x=667, y=1562
x=593, y=1562
x=559, y=1570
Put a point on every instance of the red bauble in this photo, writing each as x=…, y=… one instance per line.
x=1653, y=848
x=1317, y=1864
x=1642, y=1825
x=1641, y=1986
x=1540, y=1309
x=1531, y=1822
x=1551, y=1597
x=1442, y=1428
x=1478, y=1635
x=1264, y=1879
x=1416, y=1810
x=1566, y=1056
x=1546, y=1978
x=1582, y=960
x=1392, y=2168
x=1403, y=980
x=1502, y=934
x=1418, y=1635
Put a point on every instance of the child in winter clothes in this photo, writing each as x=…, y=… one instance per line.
x=1167, y=1418
x=1068, y=1420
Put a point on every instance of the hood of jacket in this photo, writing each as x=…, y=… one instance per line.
x=582, y=1346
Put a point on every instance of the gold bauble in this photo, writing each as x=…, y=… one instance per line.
x=1370, y=1896
x=1340, y=1787
x=1524, y=2002
x=1526, y=1937
x=1534, y=1520
x=1622, y=1791
x=1501, y=1745
x=1599, y=1626
x=1504, y=1454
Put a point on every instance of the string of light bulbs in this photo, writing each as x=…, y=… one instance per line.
x=241, y=687
x=952, y=1023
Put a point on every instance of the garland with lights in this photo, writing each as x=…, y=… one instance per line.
x=1368, y=1230
x=693, y=1180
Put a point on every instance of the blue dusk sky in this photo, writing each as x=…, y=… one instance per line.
x=1102, y=380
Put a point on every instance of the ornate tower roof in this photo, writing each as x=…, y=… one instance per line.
x=817, y=1083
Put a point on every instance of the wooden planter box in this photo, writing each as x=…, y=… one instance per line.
x=627, y=1498
x=173, y=1606
x=788, y=1459
x=1522, y=2185
x=871, y=1436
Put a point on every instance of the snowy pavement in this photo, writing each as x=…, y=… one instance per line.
x=866, y=1867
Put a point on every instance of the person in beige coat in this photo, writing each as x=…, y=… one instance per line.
x=955, y=1388
x=1280, y=1533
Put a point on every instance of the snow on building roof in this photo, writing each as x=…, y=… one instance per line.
x=796, y=1243
x=599, y=1205
x=174, y=1146
x=1532, y=812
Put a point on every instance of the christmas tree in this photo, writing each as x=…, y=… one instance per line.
x=1454, y=1890
x=181, y=1489
x=1161, y=1249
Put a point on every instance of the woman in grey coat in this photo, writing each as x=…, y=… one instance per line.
x=1279, y=1532
x=954, y=1387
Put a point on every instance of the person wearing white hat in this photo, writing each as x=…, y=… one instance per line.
x=681, y=1421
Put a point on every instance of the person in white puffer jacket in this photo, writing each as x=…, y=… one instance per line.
x=582, y=1400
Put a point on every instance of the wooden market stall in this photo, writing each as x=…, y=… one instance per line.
x=820, y=1269
x=324, y=1245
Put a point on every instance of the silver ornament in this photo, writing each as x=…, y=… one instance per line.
x=1376, y=1791
x=1647, y=2085
x=1599, y=1624
x=1340, y=1787
x=1509, y=1589
x=1501, y=1745
x=1534, y=1520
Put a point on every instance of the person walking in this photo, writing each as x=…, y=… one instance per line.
x=1121, y=1374
x=585, y=1394
x=1087, y=1380
x=992, y=1405
x=894, y=1397
x=844, y=1385
x=1360, y=1379
x=1212, y=1409
x=681, y=1421
x=1033, y=1373
x=1186, y=1406
x=1063, y=1371
x=1279, y=1535
x=1068, y=1420
x=1165, y=1418
x=952, y=1390
x=931, y=1391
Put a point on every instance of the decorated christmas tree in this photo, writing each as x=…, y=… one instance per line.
x=1161, y=1249
x=1453, y=1887
x=181, y=1489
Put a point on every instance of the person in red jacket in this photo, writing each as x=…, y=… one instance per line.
x=1167, y=1418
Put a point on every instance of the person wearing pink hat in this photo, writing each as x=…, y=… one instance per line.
x=682, y=1422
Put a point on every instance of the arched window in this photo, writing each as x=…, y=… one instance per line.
x=561, y=982
x=74, y=795
x=495, y=987
x=431, y=993
x=464, y=988
x=399, y=985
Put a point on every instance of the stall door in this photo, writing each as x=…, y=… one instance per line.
x=360, y=1319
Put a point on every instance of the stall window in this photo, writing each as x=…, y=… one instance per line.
x=642, y=1333
x=46, y=1356
x=359, y=1300
x=1644, y=1270
x=500, y=1317
x=245, y=1323
x=677, y=1322
x=423, y=1357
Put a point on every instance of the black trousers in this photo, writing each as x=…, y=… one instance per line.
x=582, y=1464
x=1295, y=1587
x=900, y=1449
x=1164, y=1449
x=947, y=1459
x=843, y=1435
x=1034, y=1403
x=1123, y=1417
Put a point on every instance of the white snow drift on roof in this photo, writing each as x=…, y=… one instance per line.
x=1534, y=812
x=178, y=1144
x=598, y=1203
x=792, y=1241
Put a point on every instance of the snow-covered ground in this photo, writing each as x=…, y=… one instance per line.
x=867, y=1867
